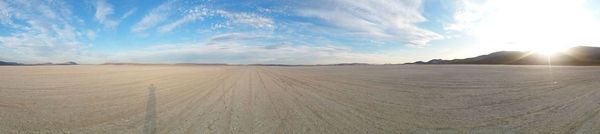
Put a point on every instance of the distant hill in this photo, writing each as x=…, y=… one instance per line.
x=581, y=55
x=349, y=64
x=127, y=63
x=273, y=65
x=338, y=64
x=67, y=63
x=50, y=63
x=4, y=63
x=203, y=64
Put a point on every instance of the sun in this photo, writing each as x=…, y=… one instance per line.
x=550, y=51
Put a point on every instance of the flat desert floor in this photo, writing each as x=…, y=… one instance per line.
x=317, y=99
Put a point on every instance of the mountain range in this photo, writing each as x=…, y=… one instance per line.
x=4, y=63
x=580, y=55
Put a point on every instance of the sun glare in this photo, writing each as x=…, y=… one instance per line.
x=546, y=28
x=550, y=51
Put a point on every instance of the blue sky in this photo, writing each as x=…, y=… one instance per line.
x=286, y=31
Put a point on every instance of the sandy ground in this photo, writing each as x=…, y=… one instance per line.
x=327, y=99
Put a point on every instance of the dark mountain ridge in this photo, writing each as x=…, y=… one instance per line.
x=581, y=55
x=4, y=63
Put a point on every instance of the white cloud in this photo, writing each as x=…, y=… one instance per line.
x=39, y=48
x=46, y=31
x=66, y=32
x=236, y=37
x=5, y=13
x=154, y=17
x=128, y=13
x=247, y=54
x=103, y=11
x=191, y=15
x=390, y=20
x=46, y=34
x=90, y=34
x=233, y=48
x=200, y=12
x=251, y=19
x=466, y=15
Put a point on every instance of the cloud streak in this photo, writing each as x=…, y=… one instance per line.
x=235, y=53
x=154, y=17
x=103, y=11
x=128, y=13
x=390, y=20
x=191, y=15
x=250, y=19
x=231, y=18
x=291, y=32
x=42, y=32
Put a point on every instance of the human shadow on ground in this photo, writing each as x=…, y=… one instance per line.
x=150, y=123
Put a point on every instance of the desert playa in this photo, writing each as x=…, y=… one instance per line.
x=299, y=99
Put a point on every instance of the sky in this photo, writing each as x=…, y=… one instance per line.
x=288, y=31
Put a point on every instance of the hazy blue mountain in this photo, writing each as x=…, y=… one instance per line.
x=4, y=63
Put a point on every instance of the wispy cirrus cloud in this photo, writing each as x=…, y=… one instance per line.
x=191, y=15
x=154, y=17
x=250, y=19
x=389, y=20
x=103, y=12
x=90, y=34
x=312, y=31
x=231, y=48
x=4, y=12
x=129, y=13
x=466, y=14
x=235, y=37
x=42, y=31
x=230, y=18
